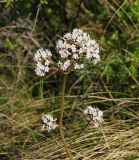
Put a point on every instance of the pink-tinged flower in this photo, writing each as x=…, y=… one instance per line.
x=95, y=113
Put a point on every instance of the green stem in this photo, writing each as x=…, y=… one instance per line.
x=61, y=117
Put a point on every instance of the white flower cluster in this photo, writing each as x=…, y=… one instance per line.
x=74, y=48
x=96, y=113
x=42, y=57
x=49, y=122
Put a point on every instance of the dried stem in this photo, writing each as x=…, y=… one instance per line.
x=61, y=117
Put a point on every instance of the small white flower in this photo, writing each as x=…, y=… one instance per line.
x=47, y=62
x=96, y=113
x=73, y=48
x=49, y=123
x=42, y=59
x=78, y=66
x=75, y=56
x=96, y=60
x=59, y=44
x=64, y=66
x=88, y=55
x=68, y=46
x=67, y=35
x=63, y=53
x=39, y=72
x=79, y=39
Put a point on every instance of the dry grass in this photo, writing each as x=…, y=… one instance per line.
x=23, y=139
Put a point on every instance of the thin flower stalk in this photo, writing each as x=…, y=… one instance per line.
x=61, y=117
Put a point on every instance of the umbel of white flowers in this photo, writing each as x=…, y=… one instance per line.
x=95, y=113
x=74, y=48
x=49, y=123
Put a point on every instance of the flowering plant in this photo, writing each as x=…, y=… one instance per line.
x=73, y=48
